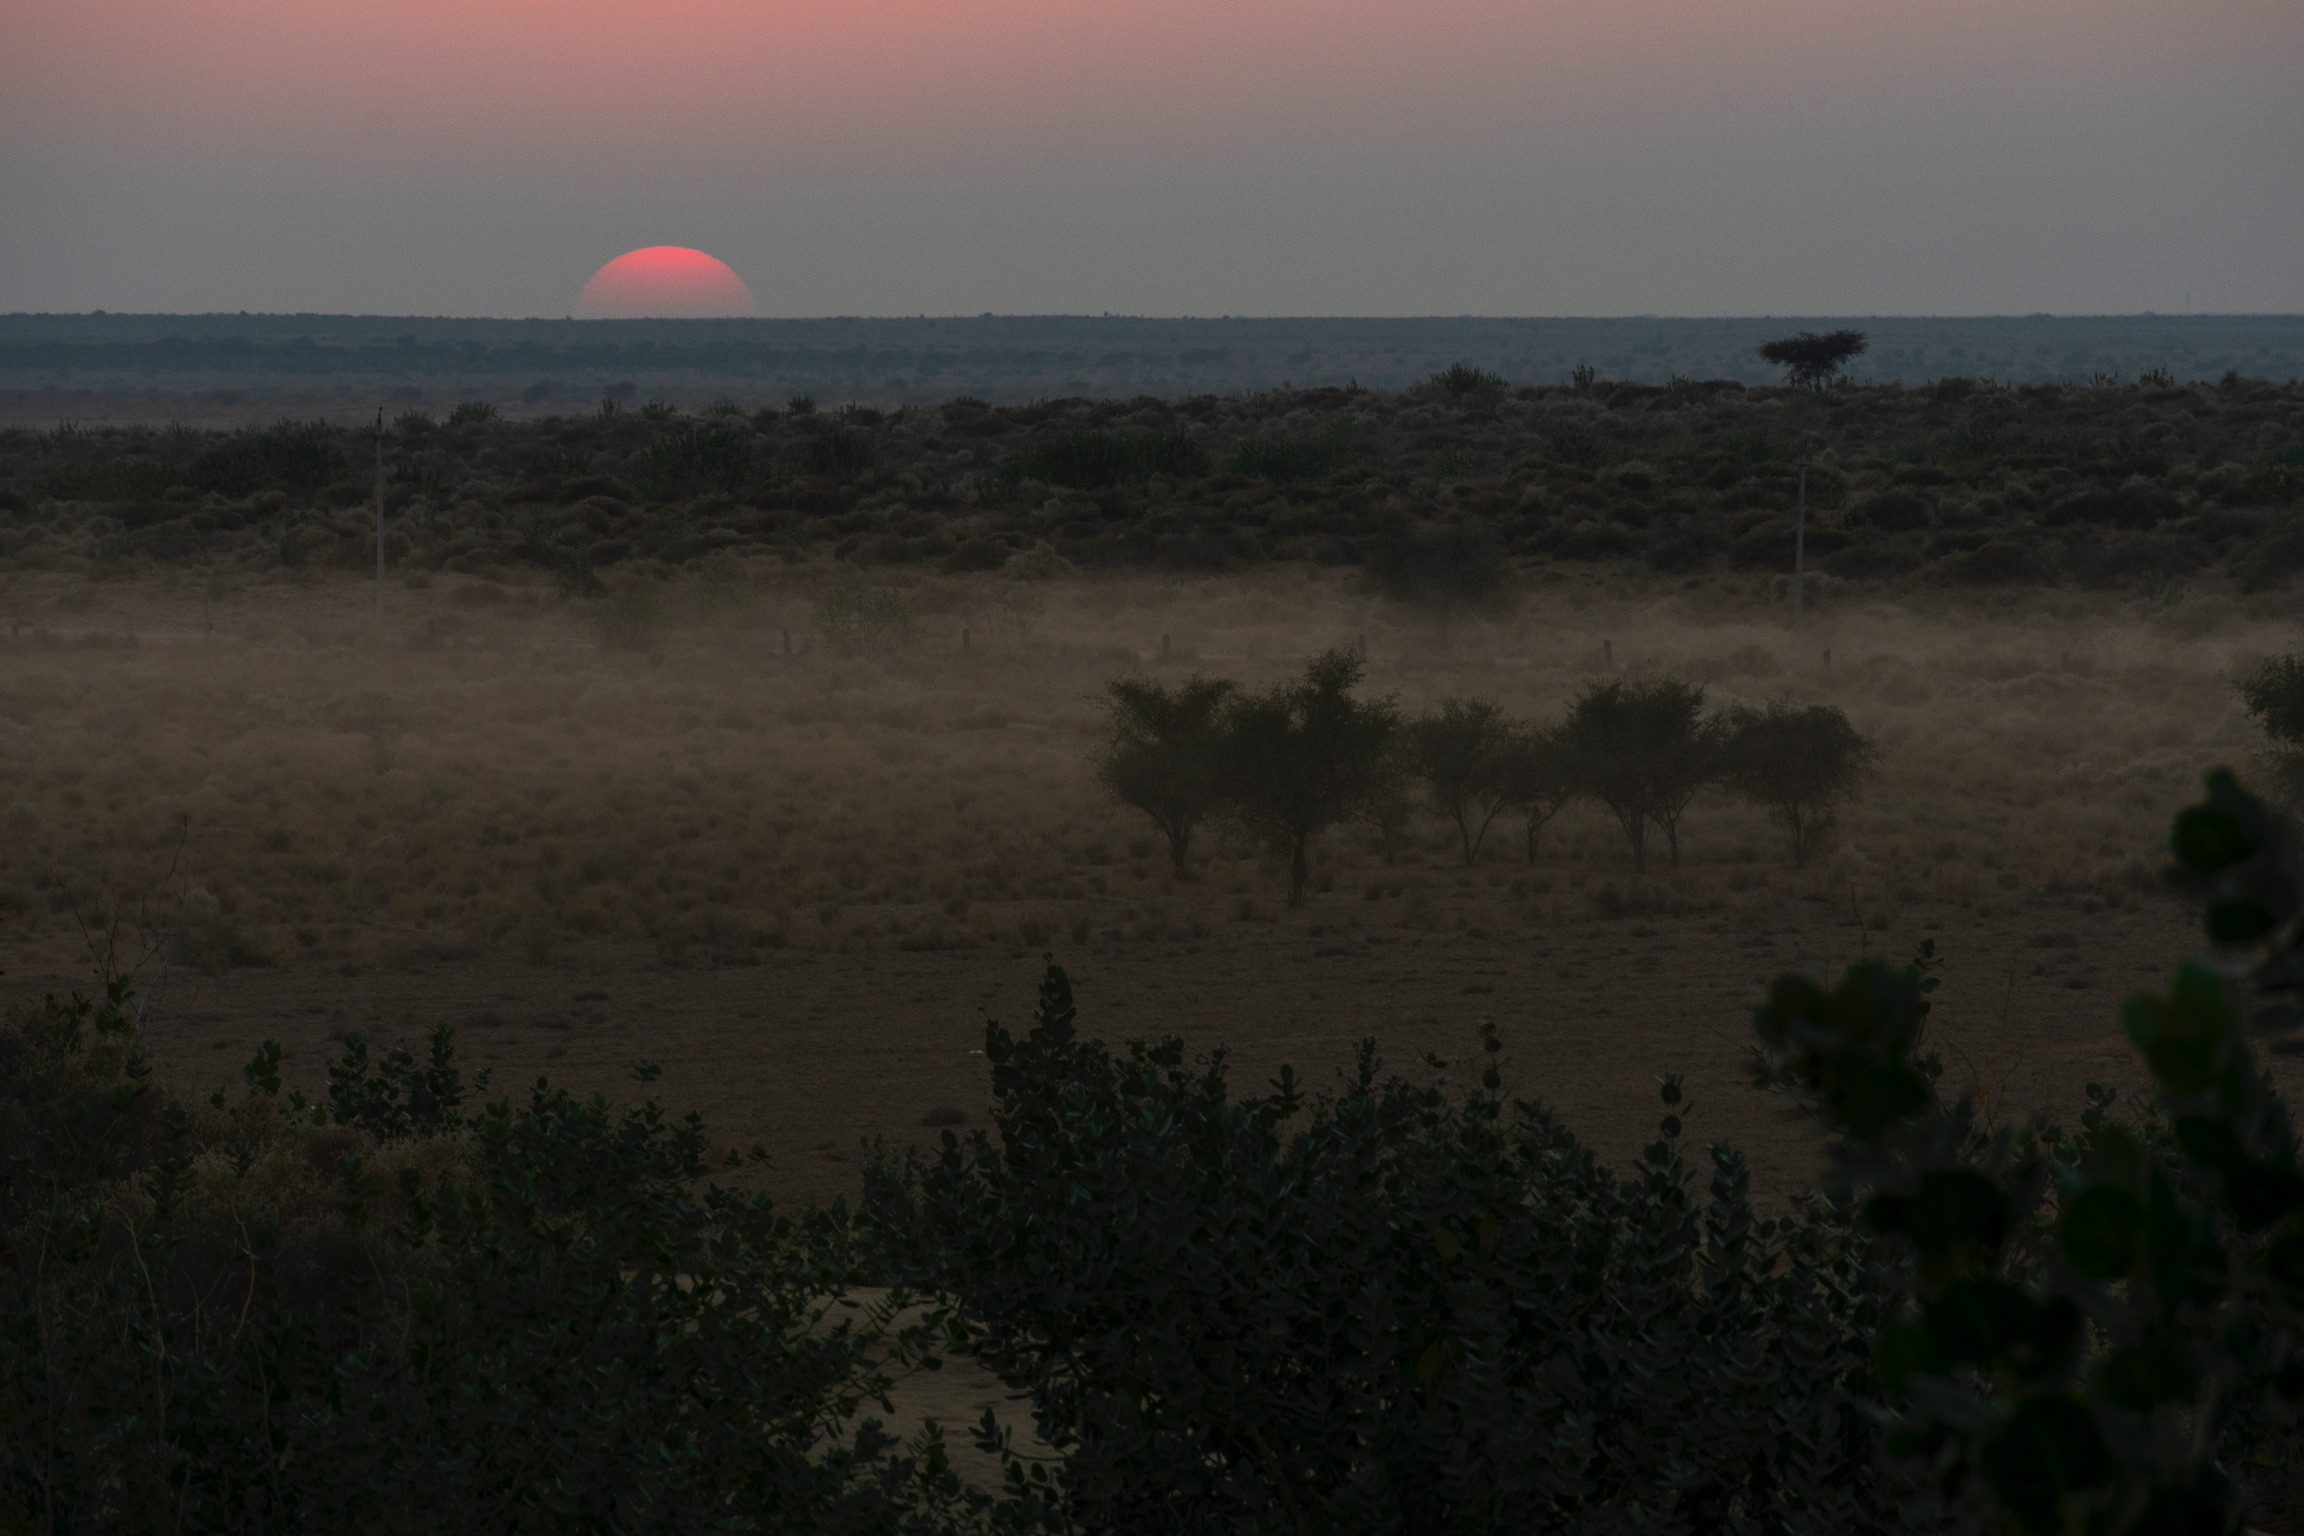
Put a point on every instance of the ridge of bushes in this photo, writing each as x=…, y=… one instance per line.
x=2136, y=485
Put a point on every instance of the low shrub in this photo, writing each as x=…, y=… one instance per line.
x=1089, y=460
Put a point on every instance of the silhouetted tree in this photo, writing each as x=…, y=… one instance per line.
x=1800, y=763
x=1164, y=753
x=1446, y=569
x=1539, y=778
x=1643, y=750
x=1812, y=360
x=1305, y=756
x=1463, y=754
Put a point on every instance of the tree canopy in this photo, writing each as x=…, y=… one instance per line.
x=1811, y=359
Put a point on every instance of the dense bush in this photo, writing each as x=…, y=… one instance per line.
x=1407, y=1308
x=2102, y=1327
x=381, y=1313
x=1091, y=460
x=1412, y=1306
x=1441, y=494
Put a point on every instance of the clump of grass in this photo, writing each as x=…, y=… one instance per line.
x=471, y=413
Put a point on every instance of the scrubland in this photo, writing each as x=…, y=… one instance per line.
x=711, y=769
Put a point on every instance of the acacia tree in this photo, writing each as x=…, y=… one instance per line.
x=1463, y=752
x=1304, y=756
x=1164, y=753
x=1799, y=763
x=1539, y=778
x=1810, y=360
x=1643, y=750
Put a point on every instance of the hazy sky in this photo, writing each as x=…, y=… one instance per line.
x=1348, y=157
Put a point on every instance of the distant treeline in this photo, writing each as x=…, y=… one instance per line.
x=2137, y=483
x=1018, y=358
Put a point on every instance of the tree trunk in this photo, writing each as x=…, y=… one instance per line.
x=1299, y=872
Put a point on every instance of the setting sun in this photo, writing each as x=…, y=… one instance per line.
x=664, y=282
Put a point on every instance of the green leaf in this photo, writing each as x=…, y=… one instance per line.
x=2155, y=1371
x=2261, y=1194
x=2211, y=1142
x=1957, y=1221
x=2050, y=1447
x=2182, y=1034
x=2240, y=922
x=2209, y=840
x=2104, y=1232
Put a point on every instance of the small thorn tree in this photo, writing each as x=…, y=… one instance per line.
x=1164, y=753
x=1800, y=764
x=1811, y=360
x=1304, y=756
x=1643, y=750
x=1463, y=754
x=1539, y=778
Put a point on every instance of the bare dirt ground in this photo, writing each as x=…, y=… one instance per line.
x=682, y=821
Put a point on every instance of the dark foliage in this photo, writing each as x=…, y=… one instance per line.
x=1643, y=750
x=1302, y=757
x=1445, y=505
x=1166, y=754
x=379, y=1314
x=1468, y=756
x=1412, y=1307
x=2104, y=1325
x=1799, y=763
x=1092, y=460
x=1811, y=359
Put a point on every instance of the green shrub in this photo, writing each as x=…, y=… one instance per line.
x=294, y=455
x=535, y=1318
x=113, y=480
x=1413, y=1307
x=696, y=462
x=1286, y=459
x=472, y=413
x=1088, y=460
x=2102, y=1327
x=838, y=452
x=1465, y=383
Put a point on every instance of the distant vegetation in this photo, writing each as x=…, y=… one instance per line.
x=1441, y=491
x=1290, y=764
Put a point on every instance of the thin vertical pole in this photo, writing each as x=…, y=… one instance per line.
x=1799, y=547
x=379, y=516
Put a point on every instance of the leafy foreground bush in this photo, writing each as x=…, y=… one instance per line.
x=1412, y=1310
x=378, y=1314
x=1405, y=1308
x=2104, y=1327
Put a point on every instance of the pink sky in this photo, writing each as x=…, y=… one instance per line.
x=881, y=156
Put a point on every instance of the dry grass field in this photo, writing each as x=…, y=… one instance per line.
x=790, y=833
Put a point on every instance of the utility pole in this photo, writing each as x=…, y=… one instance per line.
x=1799, y=544
x=379, y=518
